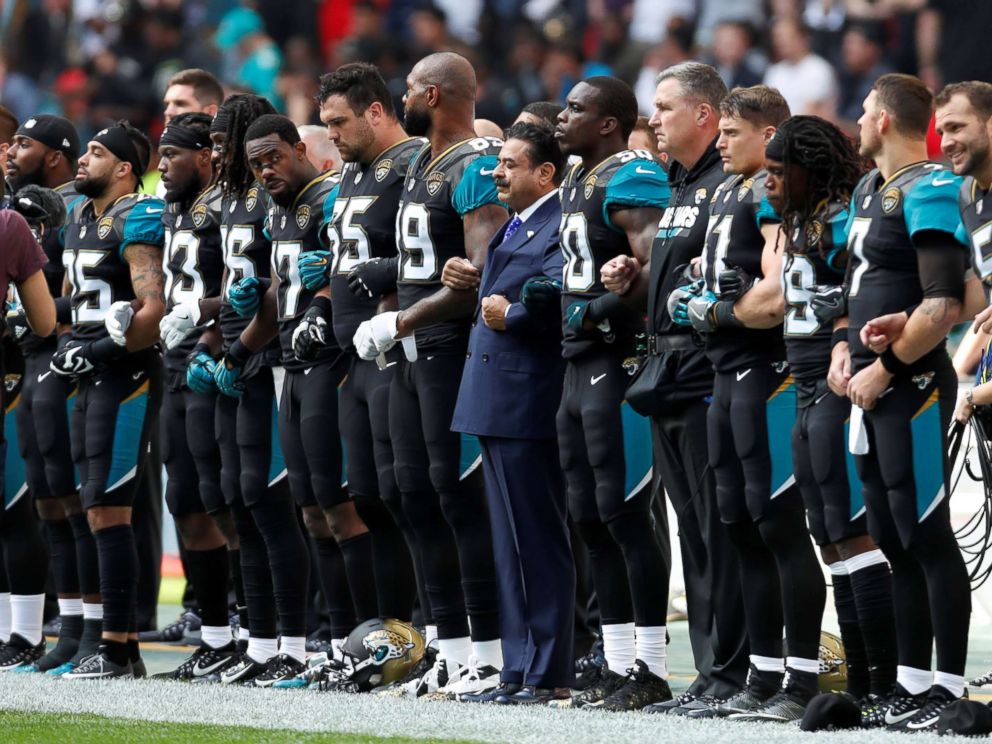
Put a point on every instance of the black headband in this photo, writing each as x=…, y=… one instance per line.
x=116, y=140
x=221, y=120
x=52, y=131
x=186, y=138
x=776, y=148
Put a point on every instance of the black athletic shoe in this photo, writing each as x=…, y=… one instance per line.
x=399, y=687
x=641, y=688
x=705, y=706
x=317, y=645
x=759, y=688
x=587, y=667
x=19, y=651
x=788, y=705
x=99, y=666
x=872, y=712
x=181, y=631
x=900, y=706
x=279, y=667
x=202, y=663
x=925, y=719
x=242, y=672
x=138, y=669
x=608, y=683
x=665, y=707
x=985, y=679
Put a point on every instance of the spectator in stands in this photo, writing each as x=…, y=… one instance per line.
x=734, y=55
x=251, y=58
x=863, y=62
x=321, y=152
x=804, y=79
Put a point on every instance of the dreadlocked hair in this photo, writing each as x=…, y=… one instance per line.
x=241, y=110
x=832, y=163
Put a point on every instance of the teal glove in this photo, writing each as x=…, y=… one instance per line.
x=228, y=371
x=245, y=296
x=200, y=369
x=315, y=267
x=678, y=302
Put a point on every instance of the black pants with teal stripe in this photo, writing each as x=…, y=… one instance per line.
x=906, y=477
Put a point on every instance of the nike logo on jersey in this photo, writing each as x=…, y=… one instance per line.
x=742, y=375
x=137, y=375
x=153, y=211
x=645, y=171
x=816, y=402
x=307, y=371
x=41, y=378
x=593, y=380
x=484, y=172
x=942, y=181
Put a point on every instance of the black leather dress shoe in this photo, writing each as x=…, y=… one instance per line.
x=505, y=689
x=529, y=695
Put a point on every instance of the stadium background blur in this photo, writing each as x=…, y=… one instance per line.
x=98, y=60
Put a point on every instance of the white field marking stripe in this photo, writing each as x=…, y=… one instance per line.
x=151, y=700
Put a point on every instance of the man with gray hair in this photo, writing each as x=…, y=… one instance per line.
x=321, y=152
x=685, y=120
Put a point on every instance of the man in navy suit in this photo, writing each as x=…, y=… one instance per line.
x=508, y=397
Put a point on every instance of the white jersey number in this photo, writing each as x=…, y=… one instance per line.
x=579, y=264
x=856, y=245
x=91, y=296
x=349, y=242
x=418, y=261
x=184, y=250
x=234, y=238
x=286, y=265
x=798, y=278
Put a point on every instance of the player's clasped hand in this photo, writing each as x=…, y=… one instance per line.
x=619, y=273
x=376, y=336
x=541, y=294
x=70, y=360
x=179, y=323
x=245, y=296
x=315, y=269
x=880, y=333
x=734, y=283
x=373, y=278
x=228, y=371
x=460, y=274
x=310, y=335
x=200, y=370
x=678, y=302
x=494, y=312
x=118, y=320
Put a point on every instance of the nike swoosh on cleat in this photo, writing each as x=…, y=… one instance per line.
x=891, y=720
x=923, y=725
x=593, y=380
x=199, y=671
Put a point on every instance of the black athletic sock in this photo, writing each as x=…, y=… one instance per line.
x=87, y=562
x=241, y=604
x=62, y=548
x=276, y=520
x=117, y=652
x=858, y=682
x=647, y=574
x=208, y=572
x=133, y=650
x=609, y=573
x=255, y=576
x=949, y=591
x=872, y=587
x=118, y=556
x=72, y=627
x=334, y=586
x=25, y=550
x=89, y=641
x=359, y=565
x=395, y=582
x=760, y=590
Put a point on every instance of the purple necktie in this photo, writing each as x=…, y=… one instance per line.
x=514, y=225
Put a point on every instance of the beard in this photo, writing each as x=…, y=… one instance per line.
x=181, y=192
x=978, y=156
x=417, y=123
x=92, y=186
x=25, y=179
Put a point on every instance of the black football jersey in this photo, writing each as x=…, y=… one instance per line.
x=815, y=257
x=976, y=228
x=193, y=261
x=738, y=211
x=627, y=179
x=363, y=226
x=247, y=251
x=299, y=229
x=437, y=193
x=93, y=256
x=883, y=272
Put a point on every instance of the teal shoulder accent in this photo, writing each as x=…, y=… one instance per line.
x=765, y=212
x=476, y=187
x=143, y=224
x=839, y=225
x=931, y=203
x=328, y=210
x=961, y=234
x=639, y=183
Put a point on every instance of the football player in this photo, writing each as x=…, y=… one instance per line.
x=449, y=211
x=308, y=400
x=193, y=267
x=904, y=258
x=357, y=109
x=812, y=169
x=740, y=308
x=44, y=153
x=114, y=276
x=612, y=201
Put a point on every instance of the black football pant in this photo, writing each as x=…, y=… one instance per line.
x=629, y=569
x=906, y=477
x=781, y=578
x=447, y=514
x=717, y=632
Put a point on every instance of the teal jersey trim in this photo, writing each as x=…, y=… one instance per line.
x=476, y=188
x=143, y=224
x=766, y=212
x=928, y=460
x=931, y=204
x=640, y=183
x=839, y=230
x=780, y=413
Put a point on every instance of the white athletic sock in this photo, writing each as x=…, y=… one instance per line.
x=216, y=636
x=295, y=646
x=92, y=611
x=863, y=560
x=839, y=568
x=619, y=647
x=336, y=645
x=768, y=663
x=802, y=665
x=430, y=635
x=244, y=634
x=71, y=607
x=489, y=652
x=916, y=681
x=262, y=649
x=4, y=616
x=455, y=649
x=650, y=643
x=26, y=616
x=950, y=682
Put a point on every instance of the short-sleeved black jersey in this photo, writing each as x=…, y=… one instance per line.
x=247, y=251
x=438, y=192
x=815, y=258
x=93, y=256
x=363, y=226
x=299, y=229
x=738, y=210
x=976, y=224
x=193, y=260
x=883, y=269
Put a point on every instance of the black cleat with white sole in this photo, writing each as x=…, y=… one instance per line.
x=641, y=688
x=99, y=666
x=243, y=671
x=279, y=668
x=19, y=651
x=925, y=717
x=900, y=705
x=203, y=662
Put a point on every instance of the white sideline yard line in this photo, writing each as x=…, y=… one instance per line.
x=149, y=700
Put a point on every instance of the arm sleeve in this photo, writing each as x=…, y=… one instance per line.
x=837, y=257
x=942, y=263
x=765, y=213
x=143, y=224
x=640, y=183
x=23, y=255
x=63, y=310
x=932, y=205
x=476, y=187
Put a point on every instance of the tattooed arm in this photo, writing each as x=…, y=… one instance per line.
x=148, y=281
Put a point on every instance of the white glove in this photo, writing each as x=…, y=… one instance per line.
x=179, y=323
x=118, y=320
x=376, y=336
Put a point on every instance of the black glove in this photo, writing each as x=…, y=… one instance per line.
x=374, y=278
x=734, y=283
x=541, y=295
x=828, y=303
x=310, y=336
x=75, y=358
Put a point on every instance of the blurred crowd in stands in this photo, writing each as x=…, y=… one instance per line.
x=98, y=60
